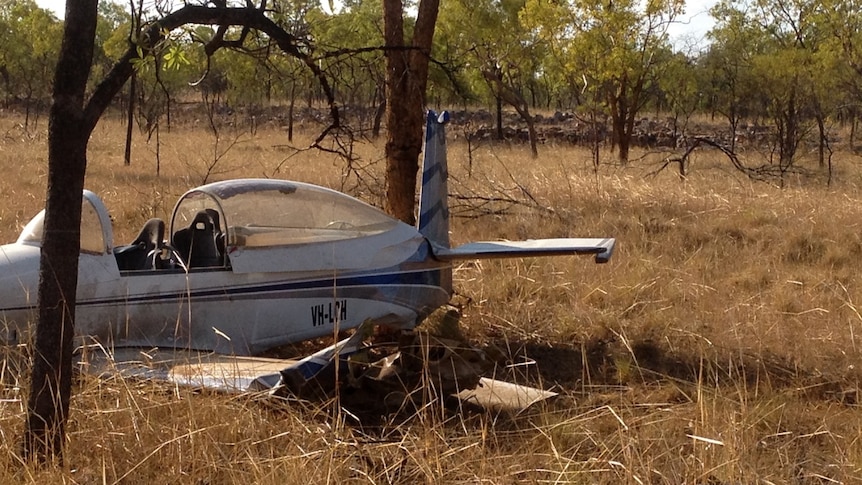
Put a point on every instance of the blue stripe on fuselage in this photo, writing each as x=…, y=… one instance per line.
x=419, y=270
x=402, y=278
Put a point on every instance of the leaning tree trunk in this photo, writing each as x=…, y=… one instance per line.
x=130, y=120
x=406, y=79
x=68, y=133
x=514, y=98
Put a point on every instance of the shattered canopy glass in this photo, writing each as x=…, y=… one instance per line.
x=262, y=212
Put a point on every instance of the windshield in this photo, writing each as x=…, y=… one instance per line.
x=274, y=212
x=91, y=230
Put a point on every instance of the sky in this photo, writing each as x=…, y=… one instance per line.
x=693, y=24
x=691, y=29
x=56, y=6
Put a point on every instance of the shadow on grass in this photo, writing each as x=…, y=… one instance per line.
x=610, y=363
x=593, y=368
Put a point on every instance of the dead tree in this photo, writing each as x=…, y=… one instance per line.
x=762, y=173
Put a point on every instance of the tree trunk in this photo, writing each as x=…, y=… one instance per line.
x=534, y=139
x=406, y=80
x=788, y=133
x=7, y=81
x=734, y=129
x=499, y=100
x=290, y=109
x=618, y=125
x=70, y=124
x=626, y=137
x=167, y=109
x=822, y=139
x=378, y=114
x=130, y=119
x=513, y=97
x=68, y=133
x=26, y=113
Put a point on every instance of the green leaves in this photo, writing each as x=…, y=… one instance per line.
x=144, y=60
x=174, y=58
x=29, y=47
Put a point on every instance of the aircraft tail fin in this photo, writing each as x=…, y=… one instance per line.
x=434, y=216
x=434, y=193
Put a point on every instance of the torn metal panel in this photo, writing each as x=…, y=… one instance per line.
x=295, y=375
x=240, y=374
x=502, y=396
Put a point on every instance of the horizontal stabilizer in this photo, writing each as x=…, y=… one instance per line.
x=602, y=248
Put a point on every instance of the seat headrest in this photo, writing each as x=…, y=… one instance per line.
x=152, y=234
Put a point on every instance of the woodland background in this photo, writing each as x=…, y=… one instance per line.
x=783, y=73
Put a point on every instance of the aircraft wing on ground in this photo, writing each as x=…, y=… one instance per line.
x=602, y=247
x=216, y=371
x=235, y=374
x=187, y=368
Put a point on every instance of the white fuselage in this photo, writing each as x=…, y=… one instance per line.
x=216, y=308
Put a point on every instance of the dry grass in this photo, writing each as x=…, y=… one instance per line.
x=720, y=345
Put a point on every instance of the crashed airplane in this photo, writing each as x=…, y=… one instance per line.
x=252, y=264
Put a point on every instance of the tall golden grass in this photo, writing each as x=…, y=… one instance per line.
x=720, y=345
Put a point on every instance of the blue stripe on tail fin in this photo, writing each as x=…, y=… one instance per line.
x=433, y=200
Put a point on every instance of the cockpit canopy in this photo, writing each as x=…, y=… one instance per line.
x=264, y=225
x=264, y=212
x=252, y=226
x=96, y=232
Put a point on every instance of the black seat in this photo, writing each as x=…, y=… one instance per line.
x=196, y=244
x=219, y=235
x=134, y=256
